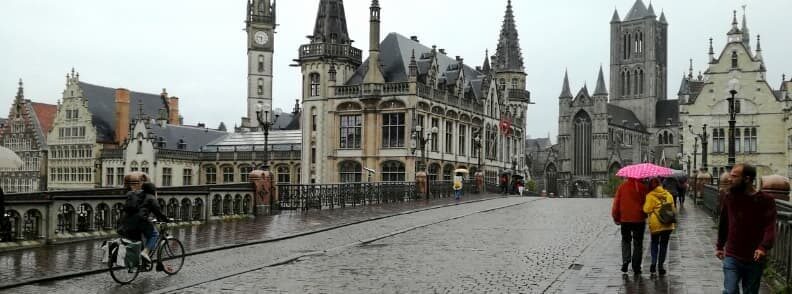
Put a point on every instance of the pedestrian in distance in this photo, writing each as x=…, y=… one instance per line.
x=504, y=182
x=660, y=208
x=457, y=187
x=627, y=212
x=520, y=187
x=746, y=231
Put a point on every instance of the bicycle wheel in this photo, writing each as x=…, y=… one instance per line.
x=122, y=274
x=171, y=255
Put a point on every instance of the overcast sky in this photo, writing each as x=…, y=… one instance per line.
x=197, y=50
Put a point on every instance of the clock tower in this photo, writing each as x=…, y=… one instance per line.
x=260, y=28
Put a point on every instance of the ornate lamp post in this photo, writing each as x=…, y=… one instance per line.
x=734, y=85
x=265, y=123
x=420, y=139
x=477, y=144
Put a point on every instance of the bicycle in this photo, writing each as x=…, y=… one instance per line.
x=169, y=259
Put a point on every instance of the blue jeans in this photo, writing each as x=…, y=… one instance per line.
x=736, y=272
x=659, y=247
x=457, y=194
x=151, y=238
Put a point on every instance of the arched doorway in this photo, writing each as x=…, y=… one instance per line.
x=551, y=179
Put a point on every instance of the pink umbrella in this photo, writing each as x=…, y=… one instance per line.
x=644, y=170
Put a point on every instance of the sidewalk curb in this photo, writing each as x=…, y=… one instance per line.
x=254, y=242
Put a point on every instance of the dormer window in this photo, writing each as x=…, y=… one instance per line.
x=181, y=145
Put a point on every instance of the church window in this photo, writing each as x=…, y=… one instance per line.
x=660, y=139
x=629, y=80
x=629, y=46
x=641, y=82
x=392, y=130
x=315, y=84
x=260, y=87
x=734, y=60
x=261, y=63
x=624, y=46
x=502, y=84
x=582, y=144
x=671, y=139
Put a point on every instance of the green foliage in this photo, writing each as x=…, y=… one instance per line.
x=612, y=185
x=531, y=186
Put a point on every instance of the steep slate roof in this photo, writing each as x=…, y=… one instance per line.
x=331, y=20
x=666, y=109
x=565, y=92
x=101, y=103
x=619, y=115
x=278, y=140
x=601, y=89
x=46, y=115
x=538, y=144
x=684, y=88
x=287, y=121
x=638, y=11
x=194, y=137
x=509, y=54
x=394, y=58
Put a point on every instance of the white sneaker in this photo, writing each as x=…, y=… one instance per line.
x=145, y=256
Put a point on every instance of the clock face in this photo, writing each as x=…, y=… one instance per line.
x=261, y=38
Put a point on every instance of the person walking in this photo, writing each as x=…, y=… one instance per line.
x=660, y=226
x=457, y=187
x=504, y=181
x=746, y=231
x=627, y=211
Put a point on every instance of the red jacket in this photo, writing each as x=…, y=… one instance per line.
x=747, y=223
x=628, y=202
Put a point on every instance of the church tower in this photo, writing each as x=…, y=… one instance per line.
x=639, y=51
x=509, y=67
x=261, y=46
x=328, y=59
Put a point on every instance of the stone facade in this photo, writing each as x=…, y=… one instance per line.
x=260, y=27
x=25, y=133
x=762, y=136
x=377, y=123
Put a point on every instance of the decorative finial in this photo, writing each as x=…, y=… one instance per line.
x=690, y=70
x=20, y=83
x=72, y=72
x=758, y=42
x=734, y=20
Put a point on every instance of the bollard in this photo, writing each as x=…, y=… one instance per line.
x=423, y=187
x=480, y=182
x=264, y=190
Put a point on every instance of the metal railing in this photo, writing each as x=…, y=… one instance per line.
x=441, y=189
x=331, y=196
x=331, y=50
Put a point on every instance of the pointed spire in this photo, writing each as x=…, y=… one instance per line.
x=615, y=17
x=638, y=11
x=20, y=91
x=690, y=69
x=486, y=67
x=663, y=17
x=759, y=47
x=565, y=92
x=296, y=108
x=331, y=24
x=711, y=51
x=374, y=72
x=583, y=91
x=508, y=51
x=651, y=9
x=684, y=88
x=735, y=29
x=745, y=31
x=601, y=89
x=413, y=67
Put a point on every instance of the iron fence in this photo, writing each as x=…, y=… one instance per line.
x=441, y=189
x=331, y=196
x=781, y=255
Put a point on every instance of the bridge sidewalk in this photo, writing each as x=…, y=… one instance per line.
x=691, y=263
x=57, y=260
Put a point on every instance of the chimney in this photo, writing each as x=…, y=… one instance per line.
x=173, y=109
x=201, y=125
x=442, y=51
x=122, y=115
x=415, y=38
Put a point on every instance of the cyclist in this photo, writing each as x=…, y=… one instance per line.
x=148, y=207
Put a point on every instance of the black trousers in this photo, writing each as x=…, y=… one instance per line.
x=632, y=243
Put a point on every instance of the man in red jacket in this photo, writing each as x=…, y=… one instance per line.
x=627, y=211
x=746, y=231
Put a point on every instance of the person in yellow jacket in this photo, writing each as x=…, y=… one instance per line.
x=660, y=232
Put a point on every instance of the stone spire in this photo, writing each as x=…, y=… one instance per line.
x=20, y=91
x=615, y=17
x=759, y=48
x=746, y=33
x=690, y=69
x=331, y=25
x=735, y=25
x=413, y=67
x=711, y=51
x=509, y=52
x=486, y=67
x=638, y=11
x=374, y=72
x=651, y=9
x=565, y=92
x=601, y=89
x=663, y=17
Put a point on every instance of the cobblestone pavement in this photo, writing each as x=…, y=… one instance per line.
x=518, y=249
x=691, y=263
x=36, y=263
x=207, y=266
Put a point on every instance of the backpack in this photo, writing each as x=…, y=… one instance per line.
x=666, y=214
x=133, y=202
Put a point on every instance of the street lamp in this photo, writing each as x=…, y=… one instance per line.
x=477, y=144
x=703, y=138
x=420, y=139
x=265, y=123
x=734, y=85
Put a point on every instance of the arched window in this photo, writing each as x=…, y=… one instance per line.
x=260, y=87
x=261, y=63
x=284, y=174
x=350, y=172
x=660, y=139
x=734, y=60
x=315, y=84
x=197, y=212
x=641, y=82
x=434, y=170
x=227, y=205
x=636, y=90
x=217, y=205
x=629, y=80
x=186, y=209
x=670, y=139
x=393, y=171
x=623, y=84
x=33, y=223
x=582, y=139
x=448, y=170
